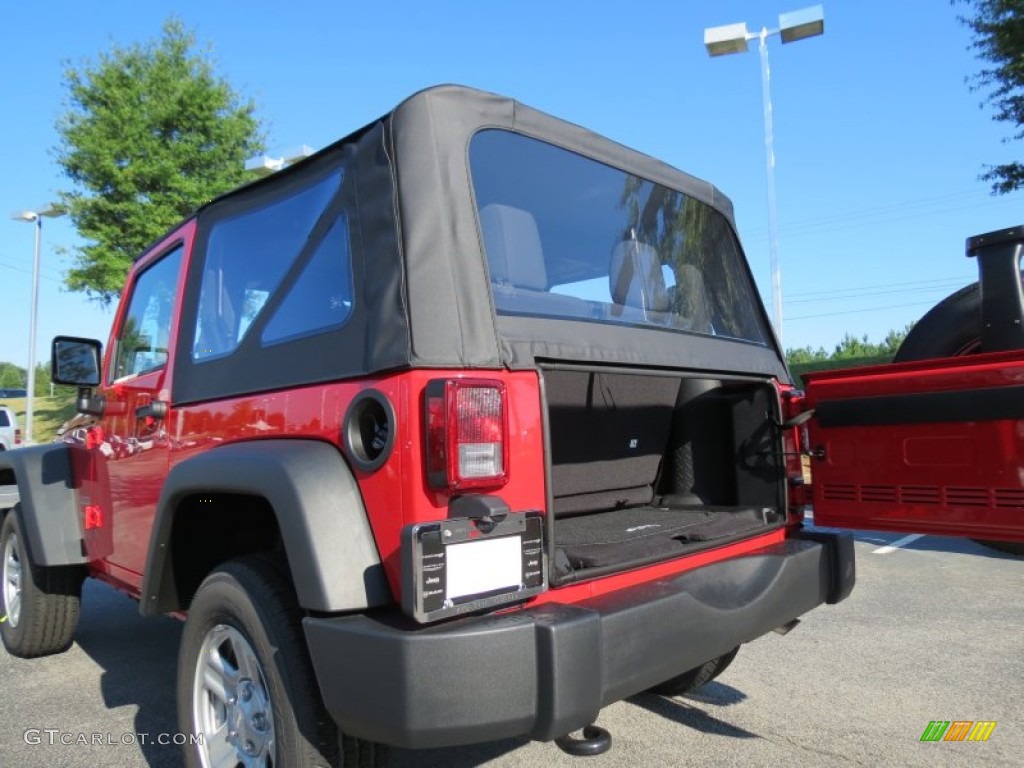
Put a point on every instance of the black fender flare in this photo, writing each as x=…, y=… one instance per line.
x=327, y=538
x=47, y=502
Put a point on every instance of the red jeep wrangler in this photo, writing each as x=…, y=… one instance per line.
x=463, y=428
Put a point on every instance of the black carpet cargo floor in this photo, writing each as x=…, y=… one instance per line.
x=644, y=533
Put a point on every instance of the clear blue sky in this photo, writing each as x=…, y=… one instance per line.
x=879, y=142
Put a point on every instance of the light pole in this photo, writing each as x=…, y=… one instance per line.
x=733, y=38
x=34, y=216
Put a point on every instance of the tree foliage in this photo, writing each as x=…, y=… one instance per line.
x=998, y=28
x=850, y=348
x=14, y=377
x=150, y=133
x=11, y=376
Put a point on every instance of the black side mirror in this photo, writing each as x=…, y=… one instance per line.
x=75, y=361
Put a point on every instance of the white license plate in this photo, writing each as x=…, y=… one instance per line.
x=475, y=567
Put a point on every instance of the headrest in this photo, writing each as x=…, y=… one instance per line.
x=635, y=277
x=512, y=243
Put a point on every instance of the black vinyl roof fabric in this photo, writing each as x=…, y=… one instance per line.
x=423, y=294
x=430, y=134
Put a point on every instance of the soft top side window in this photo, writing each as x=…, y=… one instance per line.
x=247, y=257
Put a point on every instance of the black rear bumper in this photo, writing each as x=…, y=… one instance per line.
x=547, y=671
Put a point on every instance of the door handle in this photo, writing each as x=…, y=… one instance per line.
x=155, y=410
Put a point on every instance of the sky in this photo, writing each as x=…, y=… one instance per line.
x=879, y=141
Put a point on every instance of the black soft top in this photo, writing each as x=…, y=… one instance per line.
x=423, y=294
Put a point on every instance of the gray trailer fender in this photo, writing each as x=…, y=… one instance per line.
x=48, y=497
x=319, y=510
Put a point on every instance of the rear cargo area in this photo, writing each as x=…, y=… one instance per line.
x=646, y=467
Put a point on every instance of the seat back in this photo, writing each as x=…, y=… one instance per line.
x=608, y=435
x=515, y=257
x=514, y=252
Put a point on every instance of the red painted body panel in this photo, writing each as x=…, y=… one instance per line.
x=396, y=494
x=957, y=478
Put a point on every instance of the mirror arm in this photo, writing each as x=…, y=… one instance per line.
x=86, y=403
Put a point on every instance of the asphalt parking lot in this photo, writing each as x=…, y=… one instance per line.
x=933, y=631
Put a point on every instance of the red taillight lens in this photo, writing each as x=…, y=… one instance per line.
x=467, y=428
x=17, y=436
x=437, y=445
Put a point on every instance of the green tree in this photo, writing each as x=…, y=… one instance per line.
x=893, y=339
x=998, y=29
x=850, y=348
x=806, y=355
x=11, y=376
x=150, y=133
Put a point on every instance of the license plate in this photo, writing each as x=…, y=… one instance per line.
x=484, y=565
x=453, y=566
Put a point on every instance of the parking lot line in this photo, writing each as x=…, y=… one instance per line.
x=899, y=543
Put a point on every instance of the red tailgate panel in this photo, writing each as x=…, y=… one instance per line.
x=928, y=447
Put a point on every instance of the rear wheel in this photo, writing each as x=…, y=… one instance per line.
x=39, y=606
x=696, y=677
x=952, y=327
x=245, y=682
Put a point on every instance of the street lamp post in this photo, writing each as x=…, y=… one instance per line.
x=733, y=38
x=35, y=217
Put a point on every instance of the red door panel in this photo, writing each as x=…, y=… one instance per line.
x=924, y=447
x=130, y=443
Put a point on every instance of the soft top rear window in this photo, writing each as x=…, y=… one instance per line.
x=570, y=237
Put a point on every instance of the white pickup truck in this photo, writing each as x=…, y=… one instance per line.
x=10, y=434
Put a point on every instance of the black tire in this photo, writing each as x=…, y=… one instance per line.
x=951, y=328
x=696, y=677
x=249, y=606
x=44, y=601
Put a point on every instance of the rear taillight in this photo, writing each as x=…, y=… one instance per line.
x=17, y=436
x=467, y=433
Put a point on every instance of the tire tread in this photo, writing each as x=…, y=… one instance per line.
x=50, y=603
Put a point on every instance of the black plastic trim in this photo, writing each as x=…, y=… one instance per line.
x=331, y=550
x=49, y=510
x=545, y=672
x=986, y=404
x=351, y=434
x=843, y=561
x=1002, y=294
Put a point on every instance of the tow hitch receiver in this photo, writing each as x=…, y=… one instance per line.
x=596, y=741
